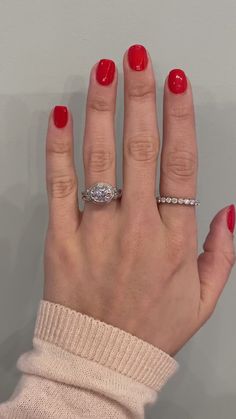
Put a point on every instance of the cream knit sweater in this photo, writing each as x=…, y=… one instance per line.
x=80, y=367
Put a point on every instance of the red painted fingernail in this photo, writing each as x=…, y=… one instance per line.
x=105, y=72
x=60, y=116
x=231, y=218
x=177, y=81
x=137, y=57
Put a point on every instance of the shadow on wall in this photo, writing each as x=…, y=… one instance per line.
x=222, y=407
x=201, y=387
x=186, y=396
x=20, y=260
x=10, y=350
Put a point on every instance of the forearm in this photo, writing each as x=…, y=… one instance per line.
x=80, y=367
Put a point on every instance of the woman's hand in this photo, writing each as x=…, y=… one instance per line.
x=132, y=263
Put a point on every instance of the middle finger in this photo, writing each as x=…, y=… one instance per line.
x=99, y=136
x=141, y=137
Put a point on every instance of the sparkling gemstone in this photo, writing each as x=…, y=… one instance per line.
x=163, y=200
x=101, y=192
x=187, y=201
x=168, y=200
x=192, y=202
x=174, y=200
x=180, y=201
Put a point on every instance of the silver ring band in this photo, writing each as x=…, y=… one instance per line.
x=179, y=201
x=101, y=193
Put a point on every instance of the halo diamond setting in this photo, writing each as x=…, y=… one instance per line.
x=101, y=193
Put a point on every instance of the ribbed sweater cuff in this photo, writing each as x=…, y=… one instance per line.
x=107, y=345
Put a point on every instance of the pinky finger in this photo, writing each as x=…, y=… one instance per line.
x=62, y=183
x=217, y=260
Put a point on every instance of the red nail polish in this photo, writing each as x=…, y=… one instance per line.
x=105, y=72
x=137, y=57
x=177, y=81
x=60, y=116
x=231, y=218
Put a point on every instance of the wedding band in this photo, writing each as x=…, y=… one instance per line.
x=179, y=201
x=101, y=193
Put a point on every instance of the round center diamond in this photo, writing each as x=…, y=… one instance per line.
x=102, y=192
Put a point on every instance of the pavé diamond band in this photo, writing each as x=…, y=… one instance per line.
x=179, y=201
x=101, y=193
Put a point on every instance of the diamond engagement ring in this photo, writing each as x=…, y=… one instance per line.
x=101, y=193
x=181, y=201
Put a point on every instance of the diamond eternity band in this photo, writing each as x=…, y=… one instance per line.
x=181, y=201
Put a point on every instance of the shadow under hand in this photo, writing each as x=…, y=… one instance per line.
x=10, y=350
x=22, y=233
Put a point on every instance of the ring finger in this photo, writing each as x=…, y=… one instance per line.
x=179, y=151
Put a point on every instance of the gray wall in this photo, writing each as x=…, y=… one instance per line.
x=46, y=51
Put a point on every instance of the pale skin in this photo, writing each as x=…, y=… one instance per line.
x=133, y=263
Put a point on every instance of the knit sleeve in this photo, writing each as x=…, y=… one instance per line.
x=80, y=367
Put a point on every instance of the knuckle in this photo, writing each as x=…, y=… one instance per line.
x=99, y=160
x=61, y=186
x=142, y=148
x=180, y=165
x=229, y=258
x=99, y=104
x=209, y=310
x=142, y=91
x=59, y=146
x=181, y=113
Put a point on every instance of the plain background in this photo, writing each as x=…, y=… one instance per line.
x=46, y=51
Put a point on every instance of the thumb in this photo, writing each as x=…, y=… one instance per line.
x=217, y=260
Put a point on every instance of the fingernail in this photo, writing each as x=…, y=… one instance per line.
x=137, y=57
x=177, y=81
x=231, y=218
x=60, y=116
x=105, y=72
